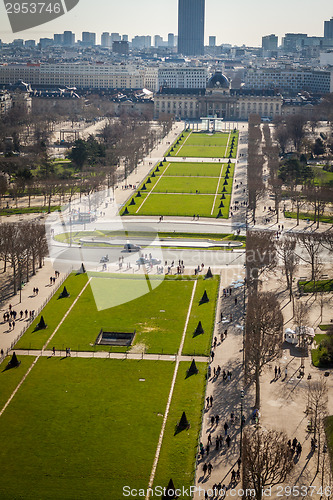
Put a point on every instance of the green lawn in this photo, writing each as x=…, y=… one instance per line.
x=155, y=316
x=200, y=151
x=304, y=216
x=187, y=185
x=28, y=210
x=322, y=178
x=317, y=353
x=83, y=428
x=201, y=344
x=329, y=436
x=319, y=286
x=208, y=139
x=185, y=205
x=9, y=379
x=195, y=169
x=53, y=312
x=178, y=452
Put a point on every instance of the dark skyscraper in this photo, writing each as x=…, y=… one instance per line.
x=328, y=29
x=191, y=27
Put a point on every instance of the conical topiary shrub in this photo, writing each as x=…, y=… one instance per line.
x=143, y=187
x=153, y=174
x=148, y=180
x=229, y=162
x=223, y=197
x=169, y=491
x=225, y=183
x=126, y=212
x=64, y=293
x=219, y=214
x=227, y=176
x=209, y=273
x=199, y=330
x=132, y=202
x=157, y=169
x=224, y=190
x=204, y=298
x=183, y=423
x=221, y=205
x=13, y=362
x=138, y=194
x=41, y=325
x=193, y=370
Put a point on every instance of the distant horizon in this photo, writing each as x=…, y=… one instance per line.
x=158, y=17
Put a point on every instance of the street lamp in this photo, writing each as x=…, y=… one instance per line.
x=241, y=424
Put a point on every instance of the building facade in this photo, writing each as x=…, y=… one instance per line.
x=191, y=27
x=217, y=101
x=183, y=77
x=289, y=80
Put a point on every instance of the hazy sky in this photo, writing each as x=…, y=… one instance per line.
x=244, y=21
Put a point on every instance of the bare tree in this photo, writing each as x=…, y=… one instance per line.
x=290, y=260
x=263, y=335
x=317, y=399
x=311, y=244
x=261, y=255
x=266, y=459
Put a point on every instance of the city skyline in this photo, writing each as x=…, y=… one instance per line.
x=249, y=24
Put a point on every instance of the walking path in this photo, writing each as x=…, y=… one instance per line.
x=29, y=302
x=110, y=355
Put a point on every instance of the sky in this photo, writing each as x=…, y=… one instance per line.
x=237, y=23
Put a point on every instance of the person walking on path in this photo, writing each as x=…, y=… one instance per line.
x=228, y=440
x=204, y=468
x=226, y=427
x=210, y=467
x=211, y=401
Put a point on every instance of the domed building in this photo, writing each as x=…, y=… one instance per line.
x=217, y=101
x=219, y=82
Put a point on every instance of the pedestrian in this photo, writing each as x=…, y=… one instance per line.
x=235, y=301
x=204, y=468
x=233, y=476
x=209, y=438
x=1, y=352
x=221, y=316
x=10, y=325
x=299, y=449
x=215, y=342
x=230, y=316
x=228, y=440
x=238, y=475
x=279, y=372
x=207, y=401
x=212, y=355
x=221, y=337
x=21, y=314
x=210, y=467
x=239, y=461
x=13, y=324
x=207, y=449
x=225, y=333
x=211, y=401
x=226, y=427
x=294, y=443
x=34, y=290
x=26, y=313
x=53, y=351
x=209, y=371
x=276, y=371
x=217, y=418
x=212, y=420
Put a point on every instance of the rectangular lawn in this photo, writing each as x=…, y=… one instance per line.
x=178, y=205
x=155, y=316
x=83, y=429
x=194, y=169
x=187, y=185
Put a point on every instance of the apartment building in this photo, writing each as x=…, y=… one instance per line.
x=182, y=77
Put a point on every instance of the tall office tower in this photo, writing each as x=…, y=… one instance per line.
x=158, y=41
x=58, y=38
x=328, y=28
x=212, y=41
x=115, y=37
x=171, y=40
x=105, y=39
x=191, y=27
x=88, y=39
x=69, y=38
x=125, y=38
x=269, y=42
